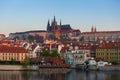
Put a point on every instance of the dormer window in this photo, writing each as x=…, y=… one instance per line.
x=71, y=48
x=76, y=47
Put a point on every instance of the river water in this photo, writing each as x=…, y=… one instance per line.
x=73, y=75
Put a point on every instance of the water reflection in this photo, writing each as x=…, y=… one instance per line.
x=73, y=75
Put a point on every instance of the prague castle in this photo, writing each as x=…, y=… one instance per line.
x=54, y=31
x=61, y=31
x=98, y=36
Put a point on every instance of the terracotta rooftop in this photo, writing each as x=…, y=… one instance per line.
x=7, y=49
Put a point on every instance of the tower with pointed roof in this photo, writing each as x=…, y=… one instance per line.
x=57, y=31
x=48, y=26
x=54, y=24
x=92, y=29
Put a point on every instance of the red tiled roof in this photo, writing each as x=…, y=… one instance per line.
x=2, y=35
x=7, y=49
x=77, y=30
x=64, y=49
x=47, y=59
x=110, y=45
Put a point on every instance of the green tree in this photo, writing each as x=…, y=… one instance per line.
x=113, y=62
x=31, y=38
x=13, y=61
x=54, y=53
x=45, y=53
x=26, y=62
x=38, y=38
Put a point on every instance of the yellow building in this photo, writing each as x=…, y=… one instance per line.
x=12, y=53
x=109, y=52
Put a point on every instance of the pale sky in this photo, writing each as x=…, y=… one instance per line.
x=25, y=15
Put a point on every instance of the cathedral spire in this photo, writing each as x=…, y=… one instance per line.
x=95, y=29
x=54, y=19
x=48, y=25
x=92, y=29
x=60, y=22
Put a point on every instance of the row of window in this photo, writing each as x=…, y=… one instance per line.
x=115, y=50
x=10, y=58
x=11, y=54
x=107, y=54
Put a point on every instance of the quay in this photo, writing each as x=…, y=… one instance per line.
x=110, y=68
x=54, y=70
x=100, y=68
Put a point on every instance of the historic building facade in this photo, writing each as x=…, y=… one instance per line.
x=54, y=31
x=8, y=53
x=77, y=54
x=109, y=51
x=61, y=31
x=97, y=36
x=26, y=35
x=2, y=36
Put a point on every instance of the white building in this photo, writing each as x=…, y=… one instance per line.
x=77, y=55
x=81, y=56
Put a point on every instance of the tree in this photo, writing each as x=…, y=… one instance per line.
x=13, y=61
x=38, y=38
x=31, y=38
x=45, y=53
x=26, y=62
x=54, y=53
x=113, y=62
x=23, y=37
x=81, y=39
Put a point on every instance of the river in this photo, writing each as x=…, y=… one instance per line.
x=73, y=75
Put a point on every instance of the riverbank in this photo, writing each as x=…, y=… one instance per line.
x=54, y=70
x=17, y=68
x=33, y=68
x=110, y=68
x=98, y=68
x=41, y=69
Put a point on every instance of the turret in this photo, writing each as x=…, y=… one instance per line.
x=48, y=26
x=92, y=29
x=54, y=24
x=95, y=29
x=54, y=19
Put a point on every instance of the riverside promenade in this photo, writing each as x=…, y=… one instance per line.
x=54, y=69
x=110, y=68
x=17, y=68
x=46, y=70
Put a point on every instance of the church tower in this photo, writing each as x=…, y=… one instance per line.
x=48, y=26
x=92, y=29
x=95, y=30
x=54, y=24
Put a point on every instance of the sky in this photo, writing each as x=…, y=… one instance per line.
x=25, y=15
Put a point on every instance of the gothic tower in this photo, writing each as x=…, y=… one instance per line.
x=48, y=26
x=54, y=24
